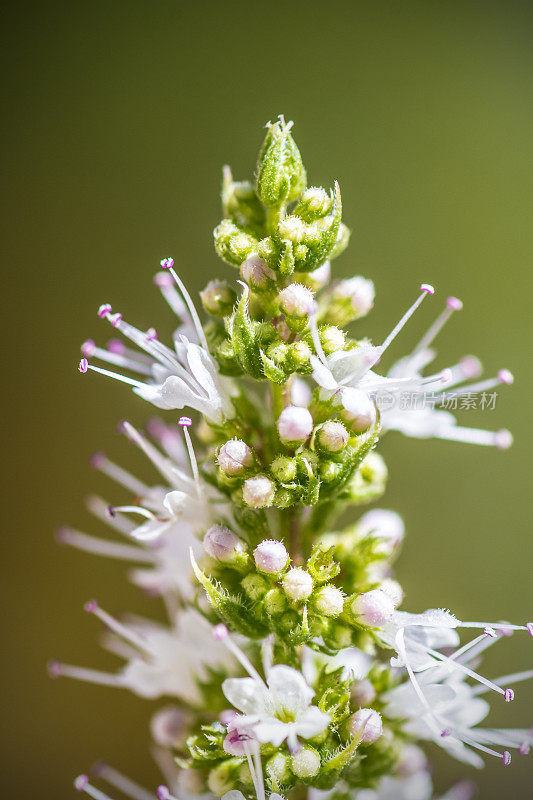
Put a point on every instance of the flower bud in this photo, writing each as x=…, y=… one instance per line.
x=275, y=602
x=222, y=544
x=270, y=556
x=367, y=724
x=218, y=298
x=291, y=229
x=283, y=469
x=298, y=584
x=300, y=393
x=331, y=339
x=233, y=244
x=363, y=693
x=341, y=243
x=373, y=608
x=305, y=763
x=299, y=360
x=258, y=492
x=320, y=276
x=332, y=437
x=358, y=410
x=349, y=300
x=221, y=779
x=393, y=589
x=277, y=769
x=330, y=471
x=383, y=524
x=257, y=274
x=295, y=425
x=296, y=300
x=235, y=457
x=329, y=601
x=240, y=202
x=314, y=204
x=374, y=469
x=280, y=175
x=168, y=725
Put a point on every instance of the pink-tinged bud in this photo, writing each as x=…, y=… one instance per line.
x=168, y=725
x=296, y=300
x=295, y=424
x=235, y=457
x=256, y=272
x=393, y=589
x=300, y=392
x=270, y=556
x=373, y=608
x=332, y=436
x=320, y=276
x=258, y=492
x=359, y=291
x=412, y=760
x=363, y=693
x=367, y=724
x=385, y=525
x=222, y=544
x=298, y=584
x=359, y=410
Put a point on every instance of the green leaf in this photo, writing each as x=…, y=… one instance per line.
x=272, y=372
x=244, y=337
x=321, y=564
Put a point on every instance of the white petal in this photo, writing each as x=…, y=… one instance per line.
x=289, y=688
x=246, y=694
x=312, y=722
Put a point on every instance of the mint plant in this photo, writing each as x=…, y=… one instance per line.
x=290, y=669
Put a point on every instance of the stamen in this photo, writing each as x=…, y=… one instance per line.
x=122, y=782
x=221, y=634
x=100, y=509
x=81, y=784
x=168, y=263
x=515, y=677
x=91, y=544
x=501, y=439
x=460, y=667
x=104, y=310
x=57, y=669
x=162, y=464
x=133, y=361
x=452, y=304
x=164, y=794
x=117, y=627
x=316, y=339
x=143, y=512
x=524, y=748
x=185, y=423
x=84, y=366
x=100, y=462
x=425, y=289
x=506, y=758
x=151, y=334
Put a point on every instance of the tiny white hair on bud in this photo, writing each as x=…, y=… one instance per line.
x=298, y=584
x=367, y=724
x=258, y=492
x=363, y=693
x=234, y=457
x=291, y=228
x=296, y=300
x=221, y=543
x=329, y=601
x=270, y=556
x=295, y=424
x=385, y=524
x=374, y=608
x=305, y=763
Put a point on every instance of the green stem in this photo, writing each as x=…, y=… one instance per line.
x=274, y=215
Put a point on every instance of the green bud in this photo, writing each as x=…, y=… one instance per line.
x=328, y=600
x=332, y=339
x=255, y=587
x=227, y=362
x=278, y=352
x=270, y=251
x=305, y=763
x=289, y=621
x=218, y=298
x=296, y=303
x=275, y=602
x=332, y=437
x=374, y=469
x=221, y=779
x=291, y=229
x=280, y=176
x=240, y=202
x=314, y=204
x=283, y=469
x=299, y=356
x=277, y=770
x=233, y=244
x=339, y=636
x=330, y=471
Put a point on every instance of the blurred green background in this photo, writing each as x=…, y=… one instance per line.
x=117, y=119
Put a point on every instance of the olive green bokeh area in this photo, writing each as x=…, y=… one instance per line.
x=119, y=117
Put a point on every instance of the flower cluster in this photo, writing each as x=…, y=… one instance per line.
x=286, y=660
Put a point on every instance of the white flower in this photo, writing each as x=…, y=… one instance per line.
x=276, y=709
x=172, y=515
x=407, y=401
x=436, y=700
x=161, y=660
x=171, y=378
